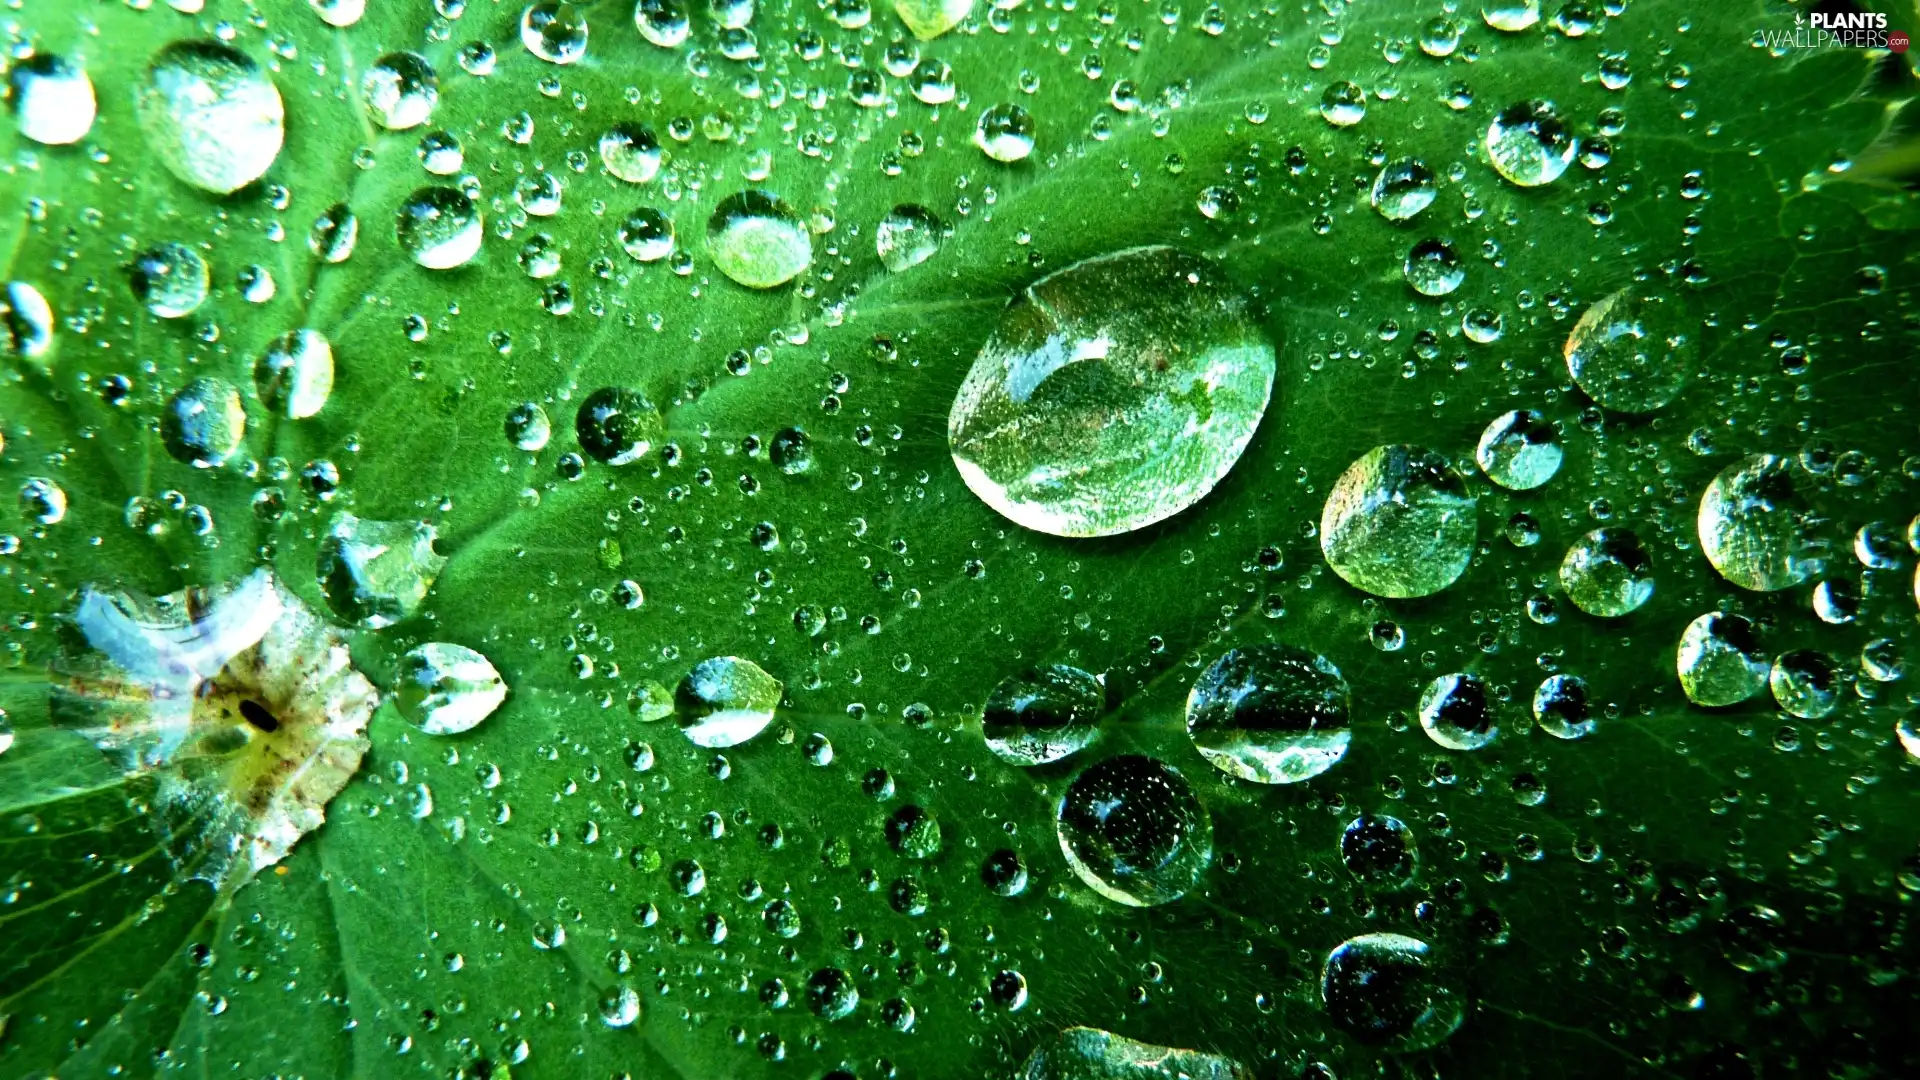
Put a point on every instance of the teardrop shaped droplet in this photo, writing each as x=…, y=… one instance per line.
x=725, y=701
x=445, y=689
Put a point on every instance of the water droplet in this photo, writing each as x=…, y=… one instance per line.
x=334, y=234
x=1529, y=144
x=26, y=321
x=907, y=237
x=725, y=701
x=1511, y=16
x=1343, y=104
x=446, y=689
x=1084, y=1053
x=647, y=235
x=913, y=832
x=339, y=14
x=1005, y=133
x=1273, y=714
x=1805, y=683
x=1133, y=830
x=1004, y=873
x=831, y=994
x=1754, y=524
x=440, y=153
x=1112, y=394
x=1560, y=707
x=1388, y=990
x=932, y=82
x=211, y=115
x=1456, y=713
x=203, y=423
x=1432, y=268
x=400, y=90
x=662, y=22
x=1607, y=573
x=528, y=428
x=439, y=227
x=42, y=501
x=1399, y=523
x=1519, y=450
x=618, y=426
x=376, y=573
x=1043, y=714
x=928, y=19
x=1404, y=187
x=620, y=1007
x=171, y=280
x=1720, y=661
x=294, y=377
x=1379, y=850
x=1633, y=352
x=631, y=152
x=554, y=32
x=758, y=240
x=52, y=99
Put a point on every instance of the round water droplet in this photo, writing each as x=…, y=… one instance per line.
x=1633, y=352
x=52, y=99
x=528, y=428
x=662, y=22
x=1456, y=713
x=1112, y=394
x=203, y=423
x=400, y=90
x=1805, y=683
x=1511, y=16
x=1560, y=707
x=1720, y=660
x=1752, y=937
x=334, y=234
x=1756, y=528
x=1273, y=714
x=907, y=237
x=1399, y=523
x=1343, y=104
x=647, y=235
x=1379, y=850
x=339, y=14
x=445, y=689
x=376, y=573
x=1529, y=144
x=294, y=377
x=631, y=152
x=554, y=32
x=1134, y=832
x=1004, y=873
x=42, y=501
x=26, y=321
x=725, y=701
x=439, y=227
x=1519, y=451
x=928, y=19
x=1433, y=269
x=932, y=82
x=1005, y=133
x=1389, y=990
x=1404, y=187
x=1043, y=714
x=440, y=153
x=211, y=115
x=171, y=280
x=620, y=1007
x=1607, y=573
x=618, y=426
x=831, y=994
x=758, y=240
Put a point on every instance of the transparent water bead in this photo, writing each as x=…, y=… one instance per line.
x=294, y=377
x=1043, y=714
x=400, y=90
x=631, y=152
x=1005, y=133
x=1112, y=394
x=203, y=423
x=334, y=234
x=1272, y=714
x=1529, y=144
x=1389, y=990
x=1085, y=1053
x=445, y=689
x=1560, y=707
x=1404, y=187
x=241, y=706
x=928, y=19
x=527, y=427
x=1399, y=523
x=1432, y=268
x=376, y=573
x=1343, y=104
x=647, y=235
x=1634, y=351
x=1519, y=450
x=1720, y=660
x=439, y=227
x=210, y=115
x=339, y=14
x=1379, y=850
x=1756, y=527
x=170, y=280
x=1133, y=830
x=1456, y=712
x=757, y=240
x=1511, y=16
x=907, y=237
x=26, y=322
x=662, y=22
x=1607, y=573
x=53, y=100
x=1805, y=683
x=618, y=426
x=554, y=32
x=724, y=701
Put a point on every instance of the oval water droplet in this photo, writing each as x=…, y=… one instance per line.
x=1756, y=527
x=907, y=237
x=1404, y=187
x=1399, y=523
x=1379, y=850
x=1805, y=683
x=170, y=280
x=376, y=573
x=439, y=227
x=1043, y=714
x=1607, y=573
x=203, y=423
x=26, y=321
x=1133, y=830
x=1720, y=660
x=1389, y=990
x=1085, y=1053
x=758, y=240
x=445, y=689
x=1519, y=450
x=294, y=377
x=1273, y=714
x=1633, y=351
x=400, y=90
x=211, y=115
x=53, y=100
x=725, y=701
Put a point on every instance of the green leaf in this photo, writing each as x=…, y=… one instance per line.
x=476, y=903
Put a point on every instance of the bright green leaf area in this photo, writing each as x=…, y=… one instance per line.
x=389, y=944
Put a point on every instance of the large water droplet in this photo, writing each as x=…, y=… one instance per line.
x=439, y=227
x=170, y=279
x=1388, y=990
x=1043, y=714
x=1084, y=1053
x=1455, y=711
x=662, y=22
x=211, y=115
x=1632, y=351
x=1404, y=187
x=1273, y=714
x=1805, y=683
x=401, y=90
x=294, y=377
x=1529, y=144
x=907, y=237
x=725, y=701
x=631, y=152
x=1005, y=133
x=618, y=426
x=928, y=19
x=1607, y=573
x=554, y=32
x=1720, y=660
x=1134, y=832
x=1399, y=523
x=376, y=573
x=1511, y=16
x=1560, y=707
x=203, y=423
x=1519, y=450
x=52, y=99
x=446, y=689
x=1433, y=269
x=758, y=240
x=1112, y=394
x=1756, y=528
x=831, y=994
x=1343, y=104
